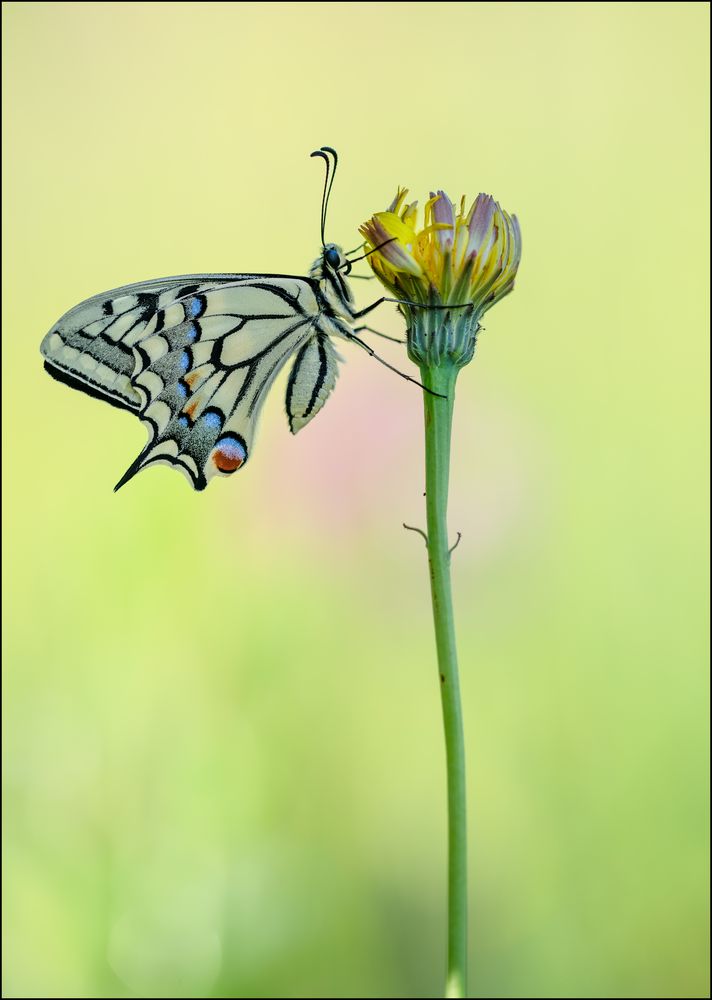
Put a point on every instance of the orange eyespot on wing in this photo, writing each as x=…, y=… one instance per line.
x=229, y=454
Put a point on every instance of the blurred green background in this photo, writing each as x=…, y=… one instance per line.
x=223, y=752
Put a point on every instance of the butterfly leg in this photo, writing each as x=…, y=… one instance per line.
x=369, y=329
x=407, y=302
x=364, y=312
x=377, y=357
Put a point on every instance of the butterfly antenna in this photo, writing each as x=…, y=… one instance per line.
x=372, y=250
x=328, y=149
x=378, y=357
x=323, y=152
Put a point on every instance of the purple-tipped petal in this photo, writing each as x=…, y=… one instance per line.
x=444, y=215
x=481, y=221
x=387, y=236
x=517, y=237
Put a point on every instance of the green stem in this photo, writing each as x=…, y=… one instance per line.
x=438, y=424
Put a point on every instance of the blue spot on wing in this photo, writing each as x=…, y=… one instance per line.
x=185, y=361
x=212, y=420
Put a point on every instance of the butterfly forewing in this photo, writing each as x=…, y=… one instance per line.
x=90, y=347
x=194, y=357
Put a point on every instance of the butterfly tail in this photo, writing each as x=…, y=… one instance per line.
x=135, y=467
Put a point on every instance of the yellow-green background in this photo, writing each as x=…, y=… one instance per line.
x=224, y=770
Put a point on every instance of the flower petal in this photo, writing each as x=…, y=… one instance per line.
x=443, y=215
x=395, y=241
x=398, y=200
x=409, y=215
x=481, y=222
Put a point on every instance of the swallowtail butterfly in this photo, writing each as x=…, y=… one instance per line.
x=195, y=356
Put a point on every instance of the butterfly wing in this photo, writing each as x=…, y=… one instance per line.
x=90, y=347
x=194, y=357
x=311, y=380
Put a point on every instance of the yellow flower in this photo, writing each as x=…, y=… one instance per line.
x=457, y=257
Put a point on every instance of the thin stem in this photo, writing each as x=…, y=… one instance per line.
x=438, y=424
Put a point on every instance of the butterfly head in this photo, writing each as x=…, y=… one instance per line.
x=330, y=270
x=331, y=261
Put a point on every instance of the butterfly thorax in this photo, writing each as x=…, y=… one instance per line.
x=330, y=270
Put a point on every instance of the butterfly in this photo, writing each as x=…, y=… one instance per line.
x=195, y=356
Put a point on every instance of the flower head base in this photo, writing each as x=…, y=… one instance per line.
x=460, y=258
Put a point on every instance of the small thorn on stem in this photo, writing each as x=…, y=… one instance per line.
x=451, y=550
x=409, y=527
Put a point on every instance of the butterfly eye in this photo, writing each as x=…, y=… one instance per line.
x=332, y=257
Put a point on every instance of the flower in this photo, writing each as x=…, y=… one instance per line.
x=459, y=258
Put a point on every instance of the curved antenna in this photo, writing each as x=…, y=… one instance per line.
x=328, y=182
x=329, y=149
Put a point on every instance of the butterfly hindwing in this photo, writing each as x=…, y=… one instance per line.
x=311, y=380
x=205, y=415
